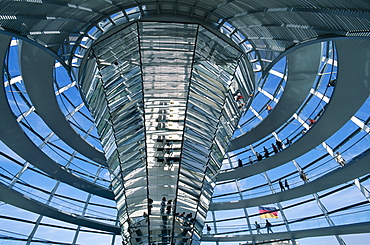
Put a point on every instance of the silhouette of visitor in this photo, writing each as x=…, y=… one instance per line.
x=259, y=156
x=281, y=186
x=340, y=159
x=286, y=184
x=274, y=148
x=268, y=227
x=208, y=229
x=240, y=163
x=257, y=227
x=268, y=108
x=279, y=145
x=266, y=152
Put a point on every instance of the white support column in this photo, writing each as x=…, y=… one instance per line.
x=255, y=113
x=328, y=219
x=26, y=164
x=228, y=160
x=303, y=122
x=245, y=212
x=321, y=205
x=268, y=95
x=214, y=222
x=362, y=188
x=280, y=207
x=320, y=96
x=87, y=202
x=362, y=125
x=244, y=209
x=328, y=149
x=29, y=239
x=38, y=221
x=114, y=235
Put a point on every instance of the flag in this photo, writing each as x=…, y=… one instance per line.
x=268, y=212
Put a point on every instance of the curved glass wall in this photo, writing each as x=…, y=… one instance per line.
x=73, y=204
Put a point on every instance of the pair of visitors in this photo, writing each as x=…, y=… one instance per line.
x=279, y=145
x=282, y=188
x=268, y=227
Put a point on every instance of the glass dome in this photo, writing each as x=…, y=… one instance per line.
x=177, y=122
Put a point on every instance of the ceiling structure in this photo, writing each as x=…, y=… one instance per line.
x=118, y=117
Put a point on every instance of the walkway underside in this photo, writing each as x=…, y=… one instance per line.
x=19, y=200
x=327, y=231
x=354, y=169
x=38, y=79
x=14, y=136
x=162, y=87
x=347, y=98
x=299, y=82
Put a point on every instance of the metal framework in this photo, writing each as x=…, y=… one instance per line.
x=120, y=119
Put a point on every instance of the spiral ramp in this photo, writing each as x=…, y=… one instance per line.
x=56, y=182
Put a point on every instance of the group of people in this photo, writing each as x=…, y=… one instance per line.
x=166, y=209
x=338, y=158
x=277, y=147
x=283, y=186
x=166, y=206
x=239, y=99
x=188, y=216
x=267, y=225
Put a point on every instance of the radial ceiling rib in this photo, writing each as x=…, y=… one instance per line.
x=351, y=90
x=266, y=30
x=353, y=169
x=17, y=199
x=37, y=71
x=299, y=82
x=330, y=17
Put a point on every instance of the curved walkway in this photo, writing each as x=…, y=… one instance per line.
x=19, y=200
x=357, y=228
x=357, y=167
x=298, y=85
x=14, y=137
x=351, y=91
x=37, y=72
